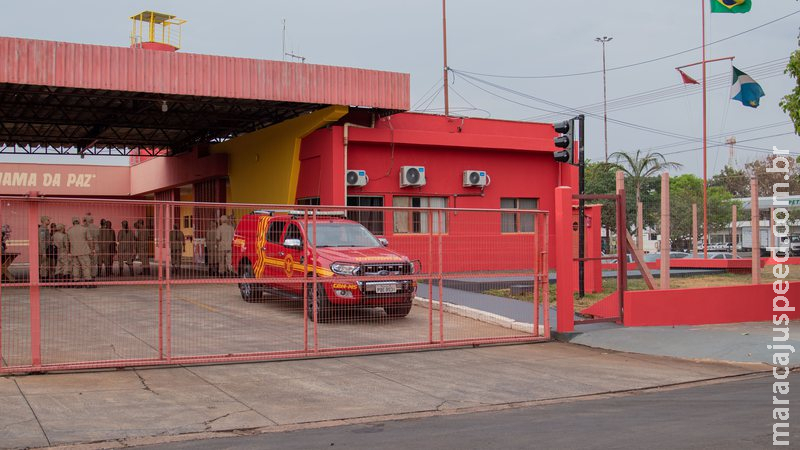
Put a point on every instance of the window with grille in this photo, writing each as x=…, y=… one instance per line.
x=308, y=201
x=372, y=220
x=422, y=221
x=518, y=222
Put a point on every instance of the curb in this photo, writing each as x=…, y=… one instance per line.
x=480, y=315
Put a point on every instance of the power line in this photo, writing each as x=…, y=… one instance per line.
x=425, y=95
x=760, y=71
x=469, y=79
x=626, y=66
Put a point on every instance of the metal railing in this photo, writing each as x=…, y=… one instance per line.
x=176, y=287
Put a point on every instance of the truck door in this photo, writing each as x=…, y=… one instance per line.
x=293, y=257
x=270, y=261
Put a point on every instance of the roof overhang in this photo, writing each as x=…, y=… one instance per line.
x=58, y=97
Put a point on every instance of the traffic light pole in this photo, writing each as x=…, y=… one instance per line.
x=581, y=206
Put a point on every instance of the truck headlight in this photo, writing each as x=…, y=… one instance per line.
x=344, y=268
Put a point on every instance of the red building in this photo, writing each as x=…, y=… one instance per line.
x=516, y=158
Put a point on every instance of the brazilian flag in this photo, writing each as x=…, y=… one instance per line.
x=730, y=6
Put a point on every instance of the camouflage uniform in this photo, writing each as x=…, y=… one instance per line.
x=80, y=250
x=61, y=241
x=224, y=244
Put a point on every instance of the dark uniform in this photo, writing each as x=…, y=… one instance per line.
x=211, y=248
x=127, y=247
x=143, y=239
x=176, y=239
x=107, y=247
x=44, y=243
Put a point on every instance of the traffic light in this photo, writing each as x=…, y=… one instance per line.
x=566, y=140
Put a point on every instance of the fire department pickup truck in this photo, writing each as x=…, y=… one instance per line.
x=276, y=245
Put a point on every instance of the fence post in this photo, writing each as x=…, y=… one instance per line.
x=734, y=231
x=640, y=225
x=694, y=230
x=756, y=232
x=771, y=233
x=565, y=305
x=665, y=231
x=545, y=263
x=33, y=276
x=622, y=253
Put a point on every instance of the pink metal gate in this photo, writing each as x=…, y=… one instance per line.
x=160, y=290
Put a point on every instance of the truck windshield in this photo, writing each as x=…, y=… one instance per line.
x=342, y=235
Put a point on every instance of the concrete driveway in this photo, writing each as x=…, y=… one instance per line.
x=129, y=407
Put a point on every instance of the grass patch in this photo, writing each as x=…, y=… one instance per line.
x=637, y=284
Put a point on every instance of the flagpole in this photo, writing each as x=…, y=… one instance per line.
x=705, y=141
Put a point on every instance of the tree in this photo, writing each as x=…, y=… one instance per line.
x=791, y=102
x=768, y=180
x=639, y=167
x=599, y=178
x=687, y=189
x=735, y=181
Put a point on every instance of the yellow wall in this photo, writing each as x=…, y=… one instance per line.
x=263, y=166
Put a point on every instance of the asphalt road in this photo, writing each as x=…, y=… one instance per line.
x=728, y=415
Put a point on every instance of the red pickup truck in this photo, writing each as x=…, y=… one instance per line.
x=276, y=245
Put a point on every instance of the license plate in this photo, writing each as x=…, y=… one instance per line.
x=385, y=288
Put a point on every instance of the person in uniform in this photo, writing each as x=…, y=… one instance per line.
x=127, y=247
x=81, y=252
x=141, y=236
x=44, y=242
x=225, y=234
x=52, y=253
x=176, y=240
x=106, y=245
x=63, y=266
x=211, y=248
x=94, y=235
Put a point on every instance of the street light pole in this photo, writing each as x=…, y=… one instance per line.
x=603, y=41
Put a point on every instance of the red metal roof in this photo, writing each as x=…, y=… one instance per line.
x=61, y=64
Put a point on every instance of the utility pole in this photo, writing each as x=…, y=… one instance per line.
x=603, y=41
x=444, y=46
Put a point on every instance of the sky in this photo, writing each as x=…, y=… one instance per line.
x=648, y=107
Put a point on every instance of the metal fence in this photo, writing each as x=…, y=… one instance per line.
x=183, y=283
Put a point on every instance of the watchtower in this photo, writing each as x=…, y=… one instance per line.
x=156, y=31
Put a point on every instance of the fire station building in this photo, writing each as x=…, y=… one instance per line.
x=207, y=128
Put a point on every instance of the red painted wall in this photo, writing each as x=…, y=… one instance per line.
x=731, y=304
x=516, y=155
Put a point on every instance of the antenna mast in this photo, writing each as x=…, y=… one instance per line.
x=731, y=152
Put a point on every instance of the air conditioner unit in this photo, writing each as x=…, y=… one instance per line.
x=357, y=178
x=412, y=176
x=475, y=178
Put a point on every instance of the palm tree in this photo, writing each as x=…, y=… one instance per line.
x=641, y=166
